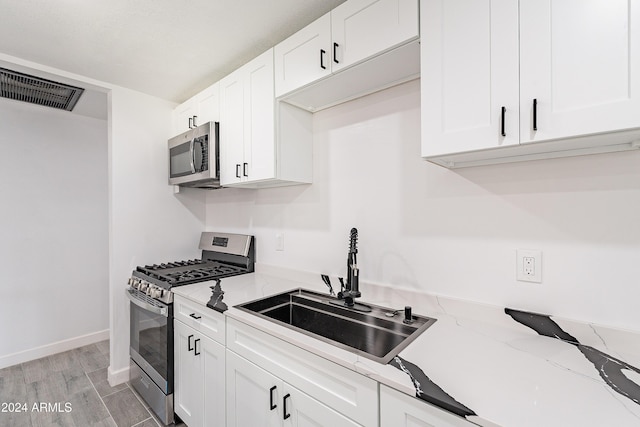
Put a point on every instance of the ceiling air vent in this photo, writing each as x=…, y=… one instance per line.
x=23, y=87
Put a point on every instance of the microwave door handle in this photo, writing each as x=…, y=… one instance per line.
x=191, y=146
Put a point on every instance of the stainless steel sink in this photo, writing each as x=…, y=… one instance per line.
x=378, y=335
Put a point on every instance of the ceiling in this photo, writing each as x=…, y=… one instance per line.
x=171, y=49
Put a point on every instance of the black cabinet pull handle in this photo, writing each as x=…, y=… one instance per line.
x=284, y=404
x=322, y=52
x=335, y=53
x=189, y=343
x=195, y=347
x=245, y=166
x=535, y=114
x=194, y=121
x=190, y=125
x=195, y=317
x=272, y=405
x=238, y=171
x=502, y=132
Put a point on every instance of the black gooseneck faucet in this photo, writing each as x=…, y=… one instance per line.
x=352, y=289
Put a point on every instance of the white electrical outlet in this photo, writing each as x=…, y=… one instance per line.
x=279, y=242
x=529, y=265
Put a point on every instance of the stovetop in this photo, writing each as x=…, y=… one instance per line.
x=223, y=255
x=191, y=271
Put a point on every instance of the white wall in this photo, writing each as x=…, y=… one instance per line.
x=53, y=227
x=148, y=222
x=452, y=232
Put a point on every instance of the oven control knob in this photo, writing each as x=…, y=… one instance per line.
x=143, y=286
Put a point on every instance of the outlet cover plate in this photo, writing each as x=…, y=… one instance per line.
x=529, y=265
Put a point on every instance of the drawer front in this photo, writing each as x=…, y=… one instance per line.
x=342, y=389
x=200, y=318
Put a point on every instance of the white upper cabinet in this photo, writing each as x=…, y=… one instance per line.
x=581, y=61
x=499, y=76
x=364, y=28
x=247, y=137
x=261, y=144
x=353, y=33
x=183, y=116
x=469, y=73
x=232, y=119
x=303, y=57
x=208, y=102
x=201, y=108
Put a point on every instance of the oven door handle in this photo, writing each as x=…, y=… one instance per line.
x=163, y=311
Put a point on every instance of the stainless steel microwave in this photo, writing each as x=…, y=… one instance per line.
x=194, y=157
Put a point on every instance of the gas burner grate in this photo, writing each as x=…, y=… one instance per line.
x=191, y=271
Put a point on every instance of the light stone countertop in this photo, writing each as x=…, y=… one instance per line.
x=518, y=369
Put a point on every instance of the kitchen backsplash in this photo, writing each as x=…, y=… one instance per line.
x=451, y=232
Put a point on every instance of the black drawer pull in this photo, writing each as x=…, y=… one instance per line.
x=502, y=132
x=535, y=114
x=322, y=52
x=195, y=317
x=335, y=53
x=190, y=125
x=238, y=171
x=195, y=347
x=245, y=166
x=272, y=405
x=189, y=348
x=284, y=404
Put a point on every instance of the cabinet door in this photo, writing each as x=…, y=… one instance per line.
x=400, y=410
x=581, y=61
x=254, y=396
x=259, y=140
x=209, y=105
x=213, y=356
x=301, y=410
x=183, y=116
x=362, y=28
x=304, y=57
x=469, y=72
x=188, y=400
x=231, y=127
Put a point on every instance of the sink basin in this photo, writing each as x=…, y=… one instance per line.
x=376, y=334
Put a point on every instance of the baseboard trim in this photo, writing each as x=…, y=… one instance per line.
x=53, y=348
x=117, y=377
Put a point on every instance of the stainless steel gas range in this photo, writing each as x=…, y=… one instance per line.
x=149, y=290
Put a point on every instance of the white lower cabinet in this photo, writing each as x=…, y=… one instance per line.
x=247, y=377
x=257, y=398
x=199, y=374
x=320, y=392
x=400, y=410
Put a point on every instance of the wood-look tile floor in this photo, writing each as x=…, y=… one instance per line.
x=69, y=389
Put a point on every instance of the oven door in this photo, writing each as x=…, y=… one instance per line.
x=151, y=339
